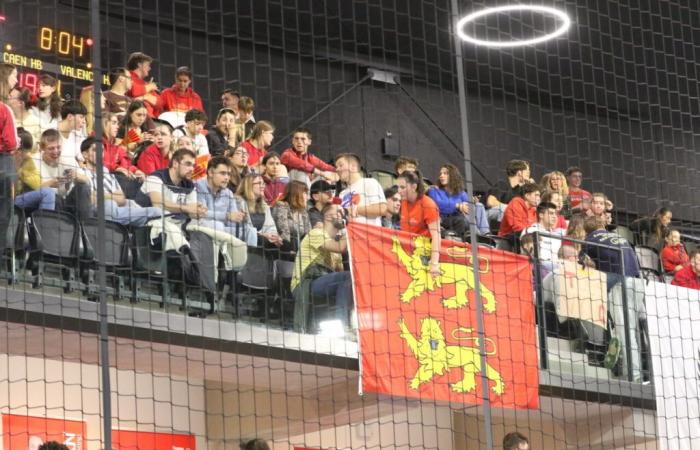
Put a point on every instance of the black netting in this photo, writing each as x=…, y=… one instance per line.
x=148, y=307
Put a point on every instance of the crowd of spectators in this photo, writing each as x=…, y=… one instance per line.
x=164, y=159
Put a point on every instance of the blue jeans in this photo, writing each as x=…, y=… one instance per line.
x=43, y=198
x=131, y=213
x=338, y=285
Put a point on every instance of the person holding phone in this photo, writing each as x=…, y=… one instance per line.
x=63, y=174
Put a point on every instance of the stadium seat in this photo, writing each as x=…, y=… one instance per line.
x=257, y=281
x=649, y=263
x=148, y=264
x=117, y=258
x=56, y=238
x=626, y=233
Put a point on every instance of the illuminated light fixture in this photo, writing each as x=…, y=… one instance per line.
x=2, y=18
x=89, y=65
x=88, y=42
x=545, y=10
x=8, y=47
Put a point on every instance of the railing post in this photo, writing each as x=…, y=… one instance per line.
x=539, y=303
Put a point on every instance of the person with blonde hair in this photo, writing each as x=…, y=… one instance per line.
x=555, y=181
x=251, y=201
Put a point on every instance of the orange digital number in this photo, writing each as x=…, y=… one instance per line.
x=78, y=42
x=63, y=43
x=46, y=38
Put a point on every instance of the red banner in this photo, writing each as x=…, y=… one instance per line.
x=144, y=440
x=28, y=432
x=418, y=333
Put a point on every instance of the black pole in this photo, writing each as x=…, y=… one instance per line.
x=100, y=244
x=468, y=177
x=328, y=105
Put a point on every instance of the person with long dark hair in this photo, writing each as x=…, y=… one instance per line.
x=454, y=204
x=20, y=100
x=48, y=107
x=136, y=128
x=651, y=230
x=419, y=214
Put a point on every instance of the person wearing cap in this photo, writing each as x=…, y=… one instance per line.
x=321, y=193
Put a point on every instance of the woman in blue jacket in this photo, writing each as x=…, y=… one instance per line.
x=454, y=204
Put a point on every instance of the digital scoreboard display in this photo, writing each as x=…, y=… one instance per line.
x=62, y=53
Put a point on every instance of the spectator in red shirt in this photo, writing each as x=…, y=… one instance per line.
x=521, y=212
x=275, y=177
x=420, y=214
x=139, y=64
x=180, y=97
x=8, y=129
x=302, y=165
x=157, y=155
x=574, y=176
x=259, y=140
x=689, y=276
x=115, y=158
x=673, y=255
x=8, y=144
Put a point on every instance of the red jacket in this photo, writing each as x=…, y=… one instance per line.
x=172, y=100
x=8, y=132
x=255, y=154
x=138, y=89
x=576, y=196
x=672, y=256
x=306, y=162
x=115, y=157
x=686, y=278
x=151, y=160
x=517, y=216
x=274, y=189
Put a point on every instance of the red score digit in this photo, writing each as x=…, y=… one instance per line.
x=29, y=80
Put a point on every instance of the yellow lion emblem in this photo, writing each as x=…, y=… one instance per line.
x=436, y=357
x=417, y=267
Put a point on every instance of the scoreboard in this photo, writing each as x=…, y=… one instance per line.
x=61, y=53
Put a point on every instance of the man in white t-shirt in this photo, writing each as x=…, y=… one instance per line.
x=64, y=175
x=546, y=223
x=363, y=198
x=72, y=129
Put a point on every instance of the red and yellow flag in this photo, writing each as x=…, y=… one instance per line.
x=418, y=333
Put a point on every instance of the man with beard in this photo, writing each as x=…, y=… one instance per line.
x=318, y=269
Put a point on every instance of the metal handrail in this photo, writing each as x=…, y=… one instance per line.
x=540, y=302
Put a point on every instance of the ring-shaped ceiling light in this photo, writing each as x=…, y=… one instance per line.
x=561, y=15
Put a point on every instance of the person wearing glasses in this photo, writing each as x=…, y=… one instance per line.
x=223, y=219
x=238, y=158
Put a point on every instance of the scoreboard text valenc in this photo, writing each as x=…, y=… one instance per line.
x=53, y=47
